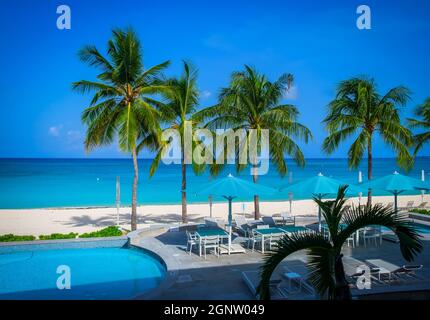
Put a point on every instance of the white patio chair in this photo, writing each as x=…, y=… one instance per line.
x=254, y=238
x=372, y=233
x=191, y=240
x=273, y=240
x=211, y=243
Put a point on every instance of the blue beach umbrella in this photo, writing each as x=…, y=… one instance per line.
x=321, y=186
x=233, y=188
x=396, y=183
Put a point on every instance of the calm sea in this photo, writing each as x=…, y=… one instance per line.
x=41, y=183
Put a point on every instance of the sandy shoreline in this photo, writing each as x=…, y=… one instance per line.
x=64, y=220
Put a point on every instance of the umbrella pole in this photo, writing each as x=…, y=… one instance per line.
x=230, y=218
x=395, y=201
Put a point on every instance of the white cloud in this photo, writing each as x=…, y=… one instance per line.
x=205, y=94
x=73, y=135
x=292, y=94
x=55, y=131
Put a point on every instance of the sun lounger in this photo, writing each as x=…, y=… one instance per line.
x=391, y=270
x=409, y=206
x=297, y=272
x=422, y=205
x=252, y=280
x=269, y=221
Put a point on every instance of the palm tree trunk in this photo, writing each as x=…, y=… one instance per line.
x=369, y=169
x=256, y=201
x=134, y=192
x=184, y=192
x=342, y=290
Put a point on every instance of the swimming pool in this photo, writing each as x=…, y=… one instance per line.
x=95, y=273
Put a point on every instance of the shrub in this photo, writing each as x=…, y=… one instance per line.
x=56, y=236
x=422, y=211
x=112, y=231
x=12, y=237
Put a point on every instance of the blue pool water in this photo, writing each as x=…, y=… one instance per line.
x=40, y=183
x=100, y=273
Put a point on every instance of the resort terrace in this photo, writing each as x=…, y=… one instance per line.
x=192, y=277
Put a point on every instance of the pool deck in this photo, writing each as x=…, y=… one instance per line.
x=191, y=277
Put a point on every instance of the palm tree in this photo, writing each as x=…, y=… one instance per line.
x=253, y=102
x=119, y=108
x=180, y=101
x=359, y=111
x=325, y=259
x=420, y=139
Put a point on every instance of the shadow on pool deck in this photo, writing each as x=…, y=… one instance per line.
x=221, y=278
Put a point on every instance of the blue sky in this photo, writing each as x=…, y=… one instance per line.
x=317, y=42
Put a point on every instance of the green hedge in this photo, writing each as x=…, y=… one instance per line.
x=111, y=231
x=12, y=237
x=422, y=211
x=56, y=236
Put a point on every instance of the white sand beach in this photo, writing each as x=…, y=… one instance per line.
x=63, y=220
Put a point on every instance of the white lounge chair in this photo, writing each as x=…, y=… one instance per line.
x=252, y=280
x=242, y=225
x=409, y=206
x=422, y=205
x=391, y=270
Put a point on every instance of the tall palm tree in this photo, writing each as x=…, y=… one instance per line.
x=181, y=98
x=423, y=112
x=360, y=112
x=325, y=259
x=253, y=102
x=119, y=108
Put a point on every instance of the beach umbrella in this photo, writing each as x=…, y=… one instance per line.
x=397, y=183
x=320, y=186
x=233, y=188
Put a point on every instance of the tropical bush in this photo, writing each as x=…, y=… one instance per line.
x=11, y=237
x=112, y=231
x=56, y=236
x=422, y=211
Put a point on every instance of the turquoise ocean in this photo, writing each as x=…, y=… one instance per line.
x=43, y=183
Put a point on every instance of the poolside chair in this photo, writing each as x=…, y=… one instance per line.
x=422, y=205
x=297, y=272
x=273, y=240
x=269, y=221
x=211, y=243
x=372, y=233
x=191, y=240
x=255, y=238
x=252, y=280
x=351, y=239
x=409, y=206
x=391, y=270
x=287, y=219
x=241, y=225
x=263, y=226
